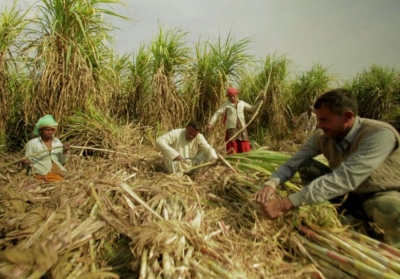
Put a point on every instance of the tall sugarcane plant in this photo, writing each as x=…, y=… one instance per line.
x=140, y=81
x=119, y=83
x=216, y=66
x=170, y=56
x=267, y=82
x=12, y=24
x=378, y=92
x=68, y=50
x=308, y=86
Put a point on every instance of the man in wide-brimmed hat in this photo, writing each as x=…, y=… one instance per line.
x=45, y=154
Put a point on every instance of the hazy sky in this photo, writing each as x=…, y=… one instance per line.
x=345, y=35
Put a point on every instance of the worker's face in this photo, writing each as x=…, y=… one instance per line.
x=333, y=124
x=191, y=133
x=232, y=98
x=47, y=132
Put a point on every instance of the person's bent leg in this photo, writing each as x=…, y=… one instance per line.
x=50, y=177
x=384, y=209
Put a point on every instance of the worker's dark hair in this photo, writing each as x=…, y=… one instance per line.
x=338, y=101
x=195, y=125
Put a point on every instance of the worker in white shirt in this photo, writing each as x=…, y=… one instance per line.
x=307, y=122
x=236, y=137
x=45, y=154
x=184, y=148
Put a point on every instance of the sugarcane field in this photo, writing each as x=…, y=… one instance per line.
x=92, y=185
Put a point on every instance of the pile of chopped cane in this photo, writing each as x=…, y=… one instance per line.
x=118, y=215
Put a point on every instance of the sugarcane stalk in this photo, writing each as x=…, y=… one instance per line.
x=318, y=255
x=143, y=264
x=203, y=271
x=93, y=212
x=304, y=251
x=220, y=270
x=318, y=238
x=30, y=156
x=167, y=266
x=125, y=187
x=186, y=261
x=98, y=149
x=337, y=269
x=375, y=243
x=226, y=163
x=206, y=164
x=380, y=257
x=151, y=275
x=333, y=270
x=49, y=149
x=352, y=251
x=342, y=259
x=38, y=232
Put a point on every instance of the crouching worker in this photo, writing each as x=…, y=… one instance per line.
x=184, y=148
x=45, y=154
x=364, y=161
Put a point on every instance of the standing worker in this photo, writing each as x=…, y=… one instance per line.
x=307, y=122
x=234, y=121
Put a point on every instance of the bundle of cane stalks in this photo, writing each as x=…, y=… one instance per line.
x=337, y=251
x=347, y=254
x=117, y=217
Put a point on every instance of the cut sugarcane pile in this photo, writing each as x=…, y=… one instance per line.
x=114, y=218
x=338, y=253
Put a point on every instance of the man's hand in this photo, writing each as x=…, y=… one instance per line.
x=276, y=208
x=266, y=192
x=209, y=127
x=26, y=162
x=66, y=147
x=178, y=158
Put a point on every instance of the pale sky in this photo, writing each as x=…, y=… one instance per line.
x=345, y=35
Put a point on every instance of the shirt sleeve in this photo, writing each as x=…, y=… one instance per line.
x=206, y=148
x=288, y=169
x=59, y=152
x=63, y=158
x=371, y=152
x=163, y=144
x=217, y=114
x=29, y=149
x=250, y=108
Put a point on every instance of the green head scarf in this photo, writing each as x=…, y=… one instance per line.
x=45, y=121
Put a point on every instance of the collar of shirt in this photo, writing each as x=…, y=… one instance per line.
x=343, y=144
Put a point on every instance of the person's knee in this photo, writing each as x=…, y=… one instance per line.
x=384, y=209
x=384, y=205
